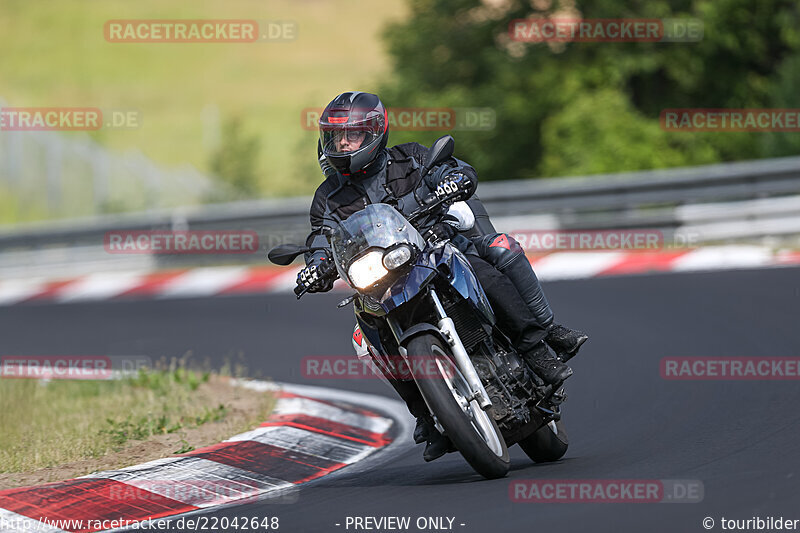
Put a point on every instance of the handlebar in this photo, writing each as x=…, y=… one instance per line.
x=430, y=203
x=329, y=273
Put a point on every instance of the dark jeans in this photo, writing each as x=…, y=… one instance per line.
x=509, y=258
x=514, y=317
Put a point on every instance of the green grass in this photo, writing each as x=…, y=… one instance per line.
x=44, y=424
x=14, y=210
x=55, y=54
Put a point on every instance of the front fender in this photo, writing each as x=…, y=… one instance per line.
x=416, y=329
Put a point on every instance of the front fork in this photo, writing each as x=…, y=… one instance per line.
x=464, y=363
x=448, y=330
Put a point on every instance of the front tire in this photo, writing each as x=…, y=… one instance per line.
x=471, y=429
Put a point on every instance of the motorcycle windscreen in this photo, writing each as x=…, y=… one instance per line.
x=376, y=226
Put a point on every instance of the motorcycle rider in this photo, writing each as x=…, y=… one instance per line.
x=361, y=170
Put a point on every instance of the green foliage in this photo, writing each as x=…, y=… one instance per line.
x=71, y=420
x=139, y=428
x=211, y=415
x=120, y=431
x=267, y=83
x=784, y=93
x=160, y=381
x=174, y=381
x=576, y=108
x=235, y=162
x=607, y=135
x=15, y=210
x=185, y=447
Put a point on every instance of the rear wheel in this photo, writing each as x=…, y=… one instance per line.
x=472, y=430
x=548, y=444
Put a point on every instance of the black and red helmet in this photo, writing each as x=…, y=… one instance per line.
x=353, y=131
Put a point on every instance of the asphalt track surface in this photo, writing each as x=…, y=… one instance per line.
x=741, y=439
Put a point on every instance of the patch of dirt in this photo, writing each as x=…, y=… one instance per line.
x=246, y=409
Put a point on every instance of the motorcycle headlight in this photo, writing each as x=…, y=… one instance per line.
x=397, y=257
x=366, y=270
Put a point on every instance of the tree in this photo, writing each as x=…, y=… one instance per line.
x=452, y=53
x=234, y=162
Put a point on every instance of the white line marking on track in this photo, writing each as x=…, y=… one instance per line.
x=17, y=290
x=720, y=257
x=573, y=265
x=289, y=406
x=99, y=286
x=203, y=282
x=309, y=442
x=197, y=481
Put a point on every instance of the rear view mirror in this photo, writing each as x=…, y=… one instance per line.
x=441, y=151
x=284, y=254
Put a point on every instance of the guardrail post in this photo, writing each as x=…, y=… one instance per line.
x=53, y=163
x=100, y=171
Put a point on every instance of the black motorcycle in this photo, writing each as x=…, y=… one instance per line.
x=418, y=298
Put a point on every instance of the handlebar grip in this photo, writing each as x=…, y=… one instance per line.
x=330, y=268
x=430, y=199
x=299, y=290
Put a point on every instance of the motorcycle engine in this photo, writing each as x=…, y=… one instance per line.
x=505, y=385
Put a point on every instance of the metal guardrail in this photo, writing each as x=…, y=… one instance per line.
x=261, y=215
x=43, y=169
x=663, y=199
x=643, y=199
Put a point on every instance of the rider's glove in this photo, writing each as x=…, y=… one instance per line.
x=316, y=276
x=441, y=231
x=456, y=186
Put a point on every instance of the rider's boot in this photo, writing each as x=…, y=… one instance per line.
x=513, y=263
x=421, y=430
x=425, y=430
x=551, y=370
x=437, y=444
x=565, y=341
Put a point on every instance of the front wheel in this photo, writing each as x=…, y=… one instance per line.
x=472, y=430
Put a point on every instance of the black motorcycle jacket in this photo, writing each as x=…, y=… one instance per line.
x=393, y=179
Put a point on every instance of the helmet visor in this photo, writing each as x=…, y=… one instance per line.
x=348, y=137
